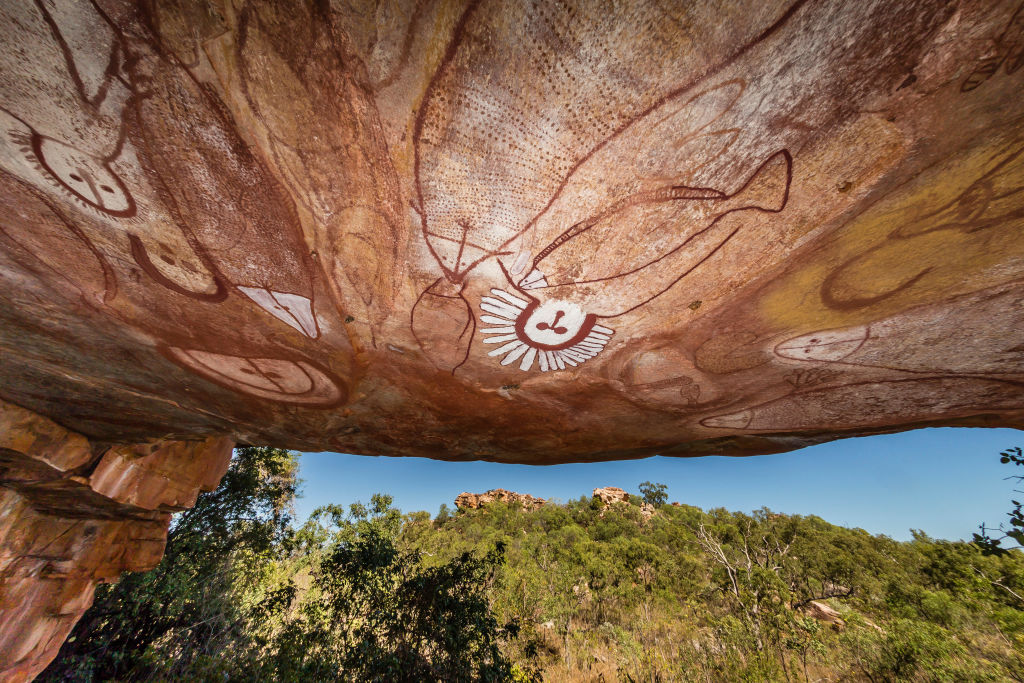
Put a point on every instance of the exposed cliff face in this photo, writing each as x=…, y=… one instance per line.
x=613, y=495
x=75, y=513
x=472, y=501
x=610, y=495
x=497, y=230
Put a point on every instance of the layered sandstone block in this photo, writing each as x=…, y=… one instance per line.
x=75, y=513
x=472, y=501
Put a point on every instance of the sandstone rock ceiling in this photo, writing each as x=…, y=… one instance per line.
x=521, y=231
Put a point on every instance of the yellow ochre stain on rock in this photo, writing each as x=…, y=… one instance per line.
x=890, y=258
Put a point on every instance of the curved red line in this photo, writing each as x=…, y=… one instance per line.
x=141, y=257
x=449, y=56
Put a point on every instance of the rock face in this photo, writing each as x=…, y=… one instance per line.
x=74, y=513
x=500, y=230
x=509, y=231
x=824, y=613
x=610, y=495
x=472, y=501
x=613, y=495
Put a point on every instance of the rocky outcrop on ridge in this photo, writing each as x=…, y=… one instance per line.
x=472, y=501
x=613, y=495
x=610, y=495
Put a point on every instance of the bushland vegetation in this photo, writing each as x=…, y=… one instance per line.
x=571, y=591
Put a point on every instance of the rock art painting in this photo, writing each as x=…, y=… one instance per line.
x=134, y=188
x=326, y=143
x=555, y=333
x=597, y=265
x=41, y=236
x=242, y=219
x=516, y=230
x=918, y=249
x=928, y=339
x=869, y=404
x=278, y=379
x=509, y=230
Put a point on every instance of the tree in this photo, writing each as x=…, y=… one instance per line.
x=192, y=606
x=443, y=515
x=377, y=613
x=654, y=494
x=1015, y=533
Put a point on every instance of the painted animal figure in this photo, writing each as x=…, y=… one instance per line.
x=618, y=260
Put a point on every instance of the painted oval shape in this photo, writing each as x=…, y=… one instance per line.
x=276, y=379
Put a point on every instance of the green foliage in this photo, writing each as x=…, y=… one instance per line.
x=375, y=612
x=195, y=603
x=570, y=592
x=1015, y=532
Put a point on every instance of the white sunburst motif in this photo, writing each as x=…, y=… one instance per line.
x=553, y=334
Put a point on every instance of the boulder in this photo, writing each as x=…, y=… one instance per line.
x=610, y=495
x=824, y=613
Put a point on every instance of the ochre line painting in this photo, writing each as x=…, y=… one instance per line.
x=513, y=230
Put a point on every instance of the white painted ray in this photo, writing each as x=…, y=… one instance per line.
x=564, y=357
x=512, y=309
x=594, y=341
x=603, y=329
x=495, y=321
x=558, y=361
x=502, y=338
x=574, y=354
x=507, y=347
x=498, y=330
x=514, y=300
x=599, y=335
x=516, y=353
x=528, y=359
x=587, y=348
x=543, y=358
x=552, y=364
x=499, y=308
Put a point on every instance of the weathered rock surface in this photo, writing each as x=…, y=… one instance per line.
x=74, y=513
x=824, y=613
x=613, y=495
x=610, y=495
x=472, y=501
x=512, y=231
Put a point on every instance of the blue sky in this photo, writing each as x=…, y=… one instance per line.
x=942, y=481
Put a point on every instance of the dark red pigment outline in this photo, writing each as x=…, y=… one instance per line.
x=457, y=37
